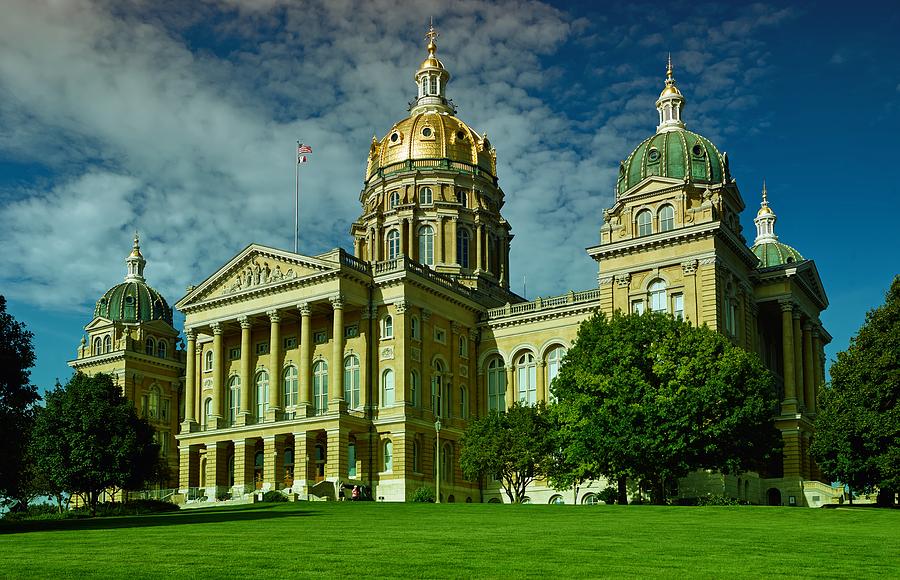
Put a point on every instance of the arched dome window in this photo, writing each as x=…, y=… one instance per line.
x=666, y=218
x=98, y=346
x=426, y=245
x=644, y=223
x=393, y=244
x=462, y=248
x=657, y=291
x=425, y=196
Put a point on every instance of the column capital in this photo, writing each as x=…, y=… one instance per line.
x=689, y=267
x=797, y=313
x=786, y=305
x=190, y=334
x=274, y=315
x=216, y=328
x=623, y=280
x=244, y=321
x=401, y=306
x=807, y=326
x=337, y=301
x=304, y=308
x=456, y=328
x=426, y=315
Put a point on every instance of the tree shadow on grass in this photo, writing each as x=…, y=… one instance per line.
x=183, y=517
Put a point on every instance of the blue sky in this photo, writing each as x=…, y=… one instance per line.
x=178, y=119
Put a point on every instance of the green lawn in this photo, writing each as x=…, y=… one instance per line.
x=363, y=540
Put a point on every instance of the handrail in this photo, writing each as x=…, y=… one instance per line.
x=541, y=304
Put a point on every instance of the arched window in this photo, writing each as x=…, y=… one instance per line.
x=393, y=244
x=149, y=346
x=98, y=346
x=463, y=347
x=434, y=89
x=393, y=200
x=154, y=402
x=262, y=395
x=387, y=388
x=461, y=197
x=437, y=387
x=107, y=343
x=666, y=218
x=657, y=291
x=320, y=387
x=388, y=456
x=290, y=386
x=351, y=381
x=387, y=327
x=209, y=360
x=526, y=371
x=554, y=361
x=161, y=348
x=730, y=311
x=424, y=88
x=463, y=402
x=425, y=196
x=414, y=330
x=415, y=388
x=426, y=245
x=590, y=499
x=462, y=248
x=644, y=223
x=234, y=399
x=496, y=385
x=557, y=500
x=207, y=412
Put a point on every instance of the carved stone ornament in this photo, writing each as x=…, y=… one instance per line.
x=623, y=280
x=274, y=316
x=415, y=354
x=689, y=268
x=401, y=306
x=304, y=309
x=386, y=353
x=464, y=371
x=256, y=274
x=426, y=315
x=337, y=302
x=244, y=322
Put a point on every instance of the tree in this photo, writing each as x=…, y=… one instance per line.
x=509, y=446
x=89, y=439
x=17, y=398
x=857, y=437
x=653, y=398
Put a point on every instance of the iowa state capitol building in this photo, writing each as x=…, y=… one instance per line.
x=306, y=372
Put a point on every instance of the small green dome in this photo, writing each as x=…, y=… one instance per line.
x=772, y=253
x=677, y=153
x=133, y=301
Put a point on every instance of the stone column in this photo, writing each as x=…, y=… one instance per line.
x=273, y=462
x=336, y=396
x=789, y=404
x=808, y=375
x=488, y=251
x=798, y=356
x=818, y=369
x=454, y=240
x=805, y=463
x=511, y=394
x=336, y=463
x=245, y=414
x=542, y=394
x=479, y=263
x=301, y=464
x=215, y=421
x=440, y=256
x=275, y=403
x=305, y=358
x=244, y=452
x=501, y=260
x=190, y=381
x=412, y=251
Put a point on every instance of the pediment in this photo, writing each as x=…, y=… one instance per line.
x=98, y=323
x=810, y=276
x=651, y=184
x=254, y=268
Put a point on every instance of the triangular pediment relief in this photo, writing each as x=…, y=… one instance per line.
x=98, y=323
x=651, y=184
x=254, y=268
x=810, y=276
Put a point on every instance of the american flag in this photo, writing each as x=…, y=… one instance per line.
x=302, y=150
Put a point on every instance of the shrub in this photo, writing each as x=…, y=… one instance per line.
x=423, y=495
x=717, y=500
x=274, y=497
x=608, y=495
x=42, y=511
x=223, y=496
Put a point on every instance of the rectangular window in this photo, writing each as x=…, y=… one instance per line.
x=234, y=353
x=637, y=307
x=678, y=305
x=164, y=410
x=351, y=331
x=440, y=335
x=320, y=337
x=262, y=348
x=290, y=342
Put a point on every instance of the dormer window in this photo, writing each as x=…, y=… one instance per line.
x=644, y=223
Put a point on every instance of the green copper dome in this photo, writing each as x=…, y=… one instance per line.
x=133, y=300
x=773, y=253
x=677, y=153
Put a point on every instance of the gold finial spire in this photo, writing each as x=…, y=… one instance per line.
x=765, y=199
x=136, y=248
x=669, y=68
x=430, y=36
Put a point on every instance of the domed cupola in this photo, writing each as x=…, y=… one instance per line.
x=673, y=151
x=133, y=300
x=767, y=248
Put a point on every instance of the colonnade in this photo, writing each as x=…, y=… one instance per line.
x=803, y=359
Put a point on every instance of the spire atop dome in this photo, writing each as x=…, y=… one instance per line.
x=765, y=220
x=431, y=80
x=670, y=103
x=135, y=262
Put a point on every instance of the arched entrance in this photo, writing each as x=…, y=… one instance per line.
x=774, y=496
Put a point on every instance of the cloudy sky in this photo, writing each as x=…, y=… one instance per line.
x=178, y=120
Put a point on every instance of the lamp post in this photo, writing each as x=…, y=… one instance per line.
x=437, y=459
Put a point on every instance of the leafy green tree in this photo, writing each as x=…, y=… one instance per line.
x=653, y=398
x=17, y=398
x=89, y=438
x=509, y=446
x=858, y=423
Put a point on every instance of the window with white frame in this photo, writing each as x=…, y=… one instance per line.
x=496, y=385
x=153, y=410
x=393, y=244
x=149, y=346
x=644, y=223
x=388, y=456
x=234, y=399
x=463, y=347
x=666, y=218
x=207, y=412
x=387, y=388
x=425, y=196
x=637, y=306
x=208, y=360
x=320, y=387
x=262, y=348
x=415, y=330
x=393, y=200
x=554, y=362
x=98, y=346
x=107, y=343
x=415, y=388
x=463, y=402
x=678, y=305
x=351, y=381
x=262, y=395
x=426, y=245
x=387, y=327
x=440, y=335
x=526, y=377
x=234, y=353
x=658, y=300
x=290, y=386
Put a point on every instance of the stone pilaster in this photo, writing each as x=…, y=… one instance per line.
x=190, y=382
x=789, y=404
x=798, y=356
x=215, y=420
x=305, y=377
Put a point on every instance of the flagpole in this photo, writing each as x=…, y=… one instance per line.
x=297, y=198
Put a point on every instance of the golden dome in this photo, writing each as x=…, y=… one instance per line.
x=431, y=136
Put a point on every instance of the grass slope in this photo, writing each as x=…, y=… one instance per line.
x=339, y=540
